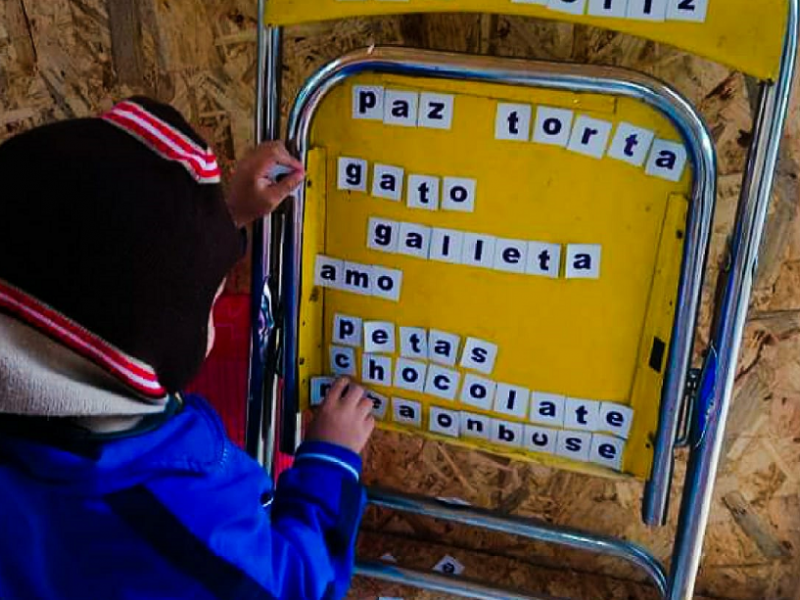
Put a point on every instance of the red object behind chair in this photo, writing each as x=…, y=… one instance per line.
x=223, y=378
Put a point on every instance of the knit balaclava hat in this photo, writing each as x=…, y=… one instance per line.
x=114, y=237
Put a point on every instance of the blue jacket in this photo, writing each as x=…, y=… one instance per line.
x=178, y=512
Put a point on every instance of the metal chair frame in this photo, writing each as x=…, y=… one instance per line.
x=693, y=412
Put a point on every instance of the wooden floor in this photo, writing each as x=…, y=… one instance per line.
x=72, y=58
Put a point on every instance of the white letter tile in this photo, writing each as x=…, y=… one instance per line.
x=583, y=261
x=343, y=360
x=687, y=10
x=458, y=194
x=446, y=245
x=607, y=451
x=376, y=369
x=352, y=174
x=423, y=192
x=478, y=250
x=667, y=160
x=387, y=182
x=379, y=337
x=510, y=255
x=407, y=412
x=445, y=422
x=581, y=414
x=479, y=355
x=547, y=409
x=475, y=426
x=573, y=7
x=347, y=330
x=616, y=419
x=379, y=404
x=436, y=110
x=513, y=122
x=410, y=375
x=511, y=400
x=540, y=439
x=443, y=347
x=631, y=144
x=415, y=240
x=441, y=382
x=357, y=279
x=575, y=445
x=478, y=392
x=414, y=342
x=608, y=8
x=647, y=10
x=387, y=283
x=506, y=433
x=553, y=126
x=543, y=259
x=328, y=272
x=383, y=235
x=400, y=108
x=319, y=389
x=590, y=136
x=368, y=102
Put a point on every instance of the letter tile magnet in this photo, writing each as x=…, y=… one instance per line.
x=479, y=355
x=407, y=412
x=414, y=342
x=506, y=433
x=352, y=174
x=387, y=283
x=410, y=375
x=347, y=330
x=475, y=426
x=368, y=102
x=379, y=337
x=478, y=391
x=443, y=347
x=343, y=360
x=441, y=382
x=319, y=389
x=444, y=422
x=328, y=272
x=607, y=451
x=575, y=445
x=379, y=404
x=540, y=439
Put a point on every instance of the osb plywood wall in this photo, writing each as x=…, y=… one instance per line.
x=71, y=58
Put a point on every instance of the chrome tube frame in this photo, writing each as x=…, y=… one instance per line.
x=260, y=402
x=528, y=528
x=577, y=78
x=433, y=581
x=715, y=398
x=567, y=77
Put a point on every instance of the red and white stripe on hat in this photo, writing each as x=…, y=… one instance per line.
x=128, y=370
x=165, y=140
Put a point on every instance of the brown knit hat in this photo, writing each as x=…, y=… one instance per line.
x=114, y=237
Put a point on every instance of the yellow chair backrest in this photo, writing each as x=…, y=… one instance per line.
x=747, y=35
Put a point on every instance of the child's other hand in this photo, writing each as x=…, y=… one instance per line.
x=345, y=417
x=252, y=193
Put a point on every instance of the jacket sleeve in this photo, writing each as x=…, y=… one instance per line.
x=322, y=494
x=297, y=543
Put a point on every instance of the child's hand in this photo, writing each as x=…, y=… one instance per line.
x=253, y=194
x=345, y=417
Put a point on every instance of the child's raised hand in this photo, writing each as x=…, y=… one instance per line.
x=345, y=417
x=253, y=191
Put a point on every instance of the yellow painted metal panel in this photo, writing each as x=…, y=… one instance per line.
x=745, y=34
x=579, y=338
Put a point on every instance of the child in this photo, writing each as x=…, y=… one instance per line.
x=114, y=241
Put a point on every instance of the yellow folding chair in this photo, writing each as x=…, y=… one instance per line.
x=510, y=254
